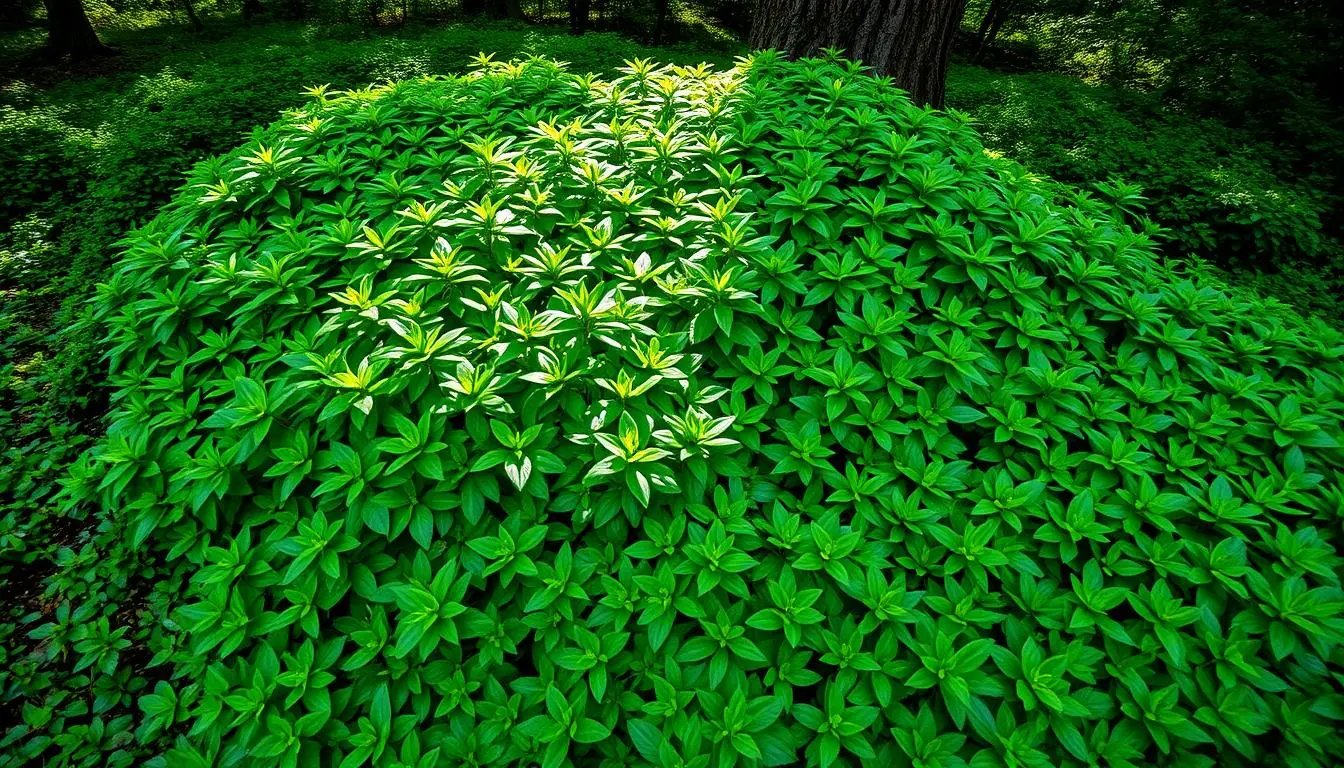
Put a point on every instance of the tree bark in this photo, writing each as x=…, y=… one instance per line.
x=579, y=11
x=69, y=32
x=998, y=13
x=908, y=40
x=985, y=23
x=660, y=26
x=191, y=15
x=994, y=29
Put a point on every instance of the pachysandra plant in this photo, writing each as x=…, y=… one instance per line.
x=705, y=419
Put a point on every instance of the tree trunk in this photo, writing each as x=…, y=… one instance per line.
x=908, y=40
x=994, y=29
x=660, y=27
x=191, y=15
x=579, y=10
x=980, y=33
x=998, y=13
x=69, y=32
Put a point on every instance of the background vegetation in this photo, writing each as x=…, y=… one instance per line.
x=1214, y=120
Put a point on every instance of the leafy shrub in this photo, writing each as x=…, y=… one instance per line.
x=117, y=145
x=93, y=157
x=705, y=418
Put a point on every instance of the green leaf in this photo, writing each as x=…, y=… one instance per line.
x=590, y=732
x=646, y=738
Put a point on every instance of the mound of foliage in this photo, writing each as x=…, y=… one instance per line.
x=85, y=160
x=697, y=418
x=82, y=160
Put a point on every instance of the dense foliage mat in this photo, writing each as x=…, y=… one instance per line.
x=705, y=418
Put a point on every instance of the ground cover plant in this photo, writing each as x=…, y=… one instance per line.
x=88, y=153
x=701, y=418
x=84, y=158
